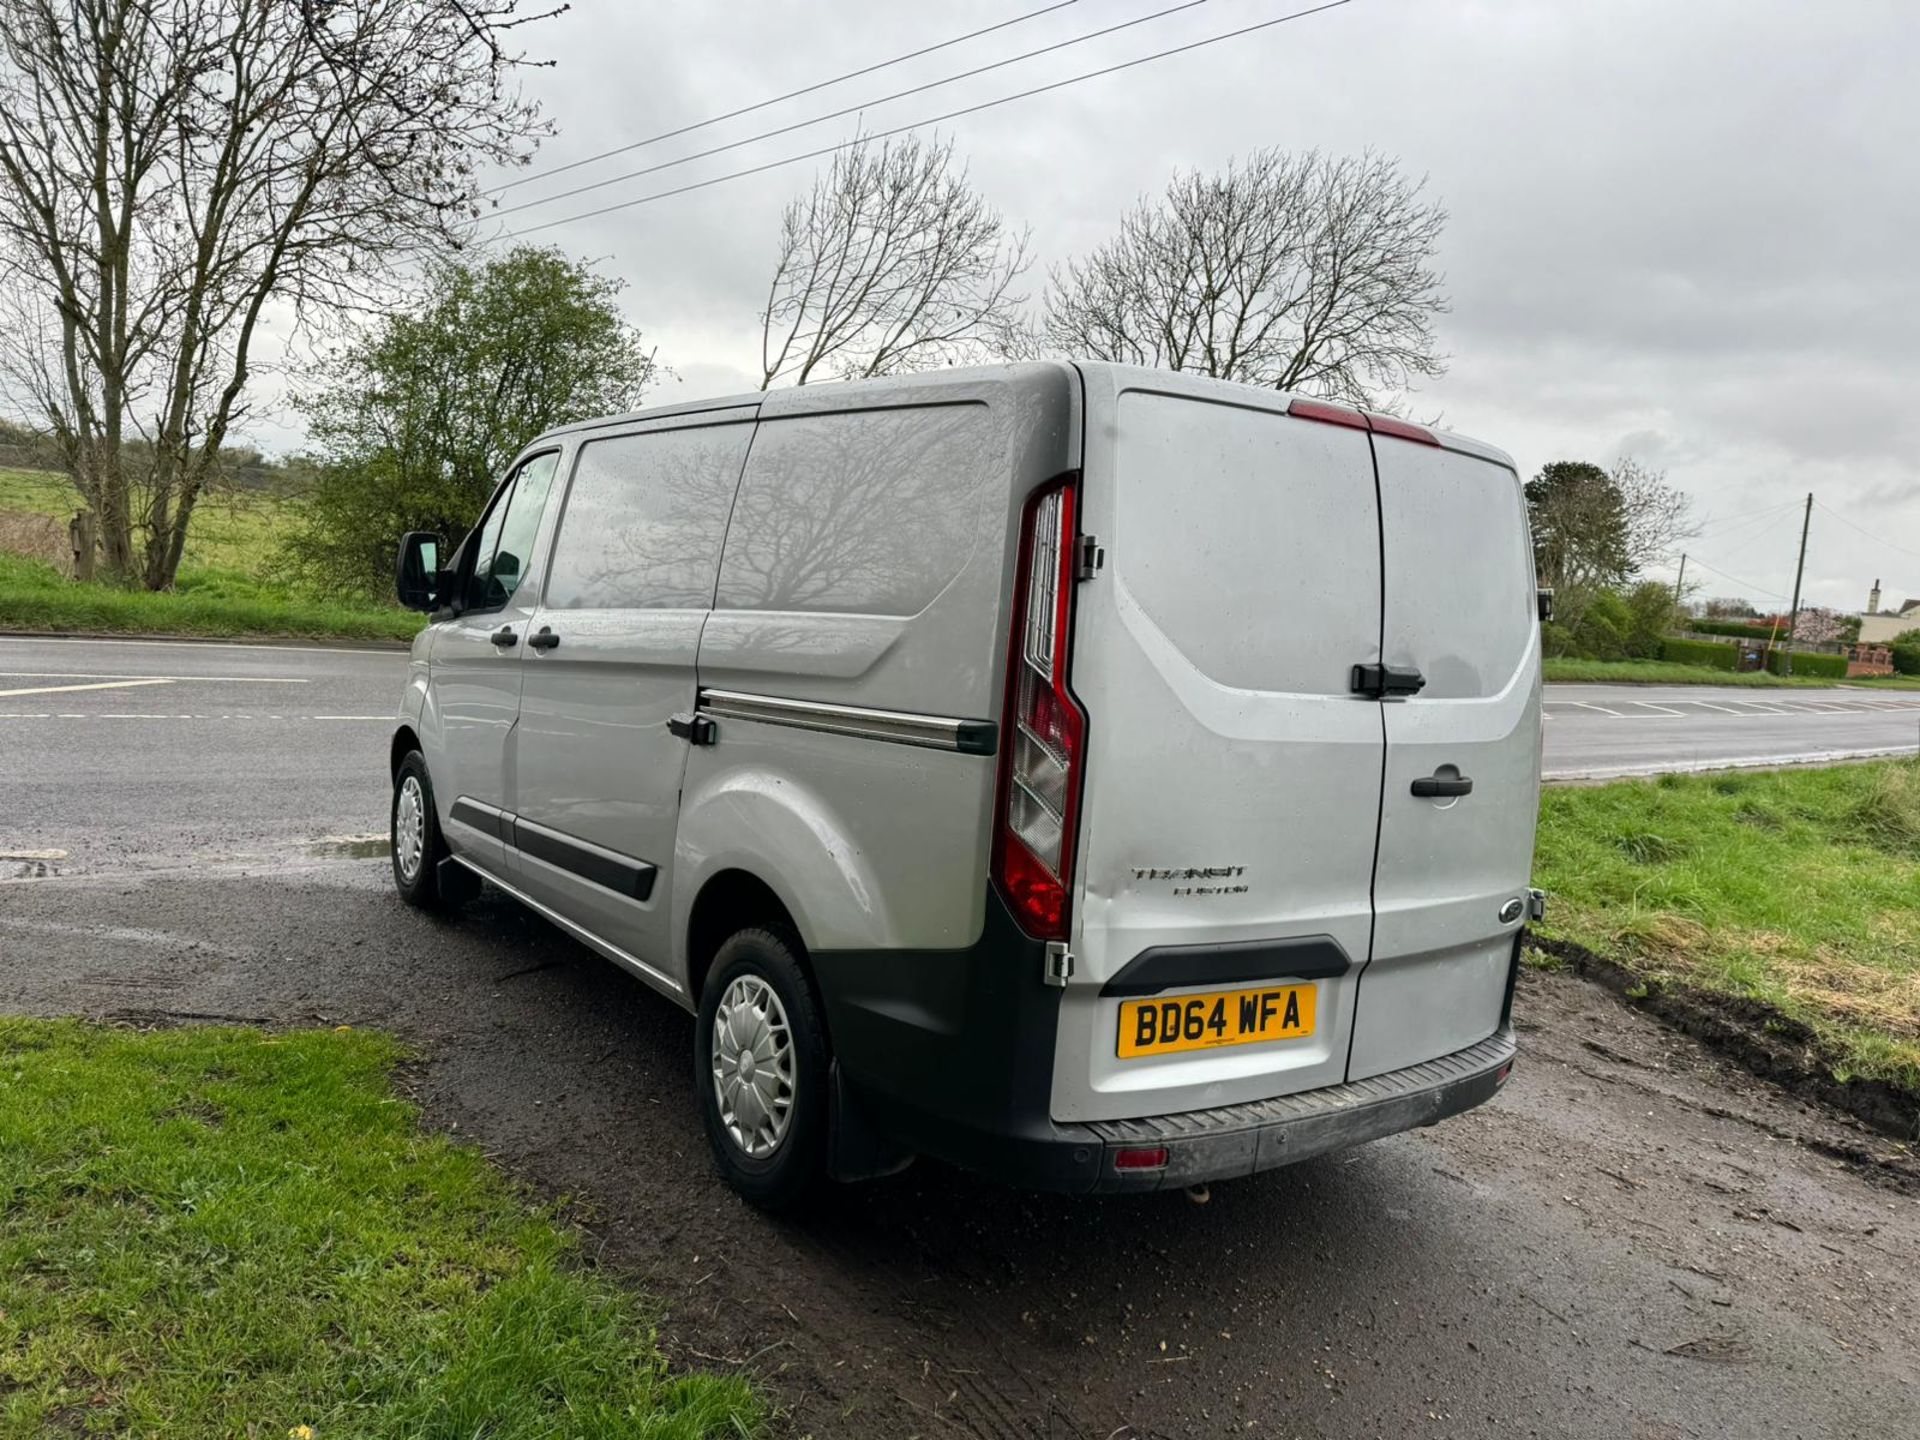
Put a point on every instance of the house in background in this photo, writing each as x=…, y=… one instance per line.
x=1878, y=626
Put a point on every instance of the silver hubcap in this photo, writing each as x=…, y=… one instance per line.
x=753, y=1066
x=410, y=827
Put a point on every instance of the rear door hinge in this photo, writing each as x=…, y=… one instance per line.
x=1092, y=557
x=1059, y=964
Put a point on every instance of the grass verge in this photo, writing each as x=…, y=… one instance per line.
x=1662, y=672
x=34, y=596
x=1795, y=893
x=216, y=1232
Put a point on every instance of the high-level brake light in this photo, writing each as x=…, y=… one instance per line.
x=1042, y=753
x=1361, y=420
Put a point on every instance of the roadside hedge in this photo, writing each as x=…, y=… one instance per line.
x=1737, y=628
x=1906, y=659
x=1701, y=652
x=1806, y=662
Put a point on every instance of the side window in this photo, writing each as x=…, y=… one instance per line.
x=645, y=518
x=870, y=512
x=506, y=541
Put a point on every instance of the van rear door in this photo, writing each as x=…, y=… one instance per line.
x=1232, y=784
x=1449, y=891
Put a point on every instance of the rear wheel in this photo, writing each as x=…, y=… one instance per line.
x=418, y=847
x=760, y=1066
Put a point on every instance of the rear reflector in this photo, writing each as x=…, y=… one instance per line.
x=1040, y=763
x=1142, y=1159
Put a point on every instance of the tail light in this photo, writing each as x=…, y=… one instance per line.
x=1041, y=760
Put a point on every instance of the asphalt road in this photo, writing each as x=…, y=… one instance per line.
x=132, y=753
x=128, y=753
x=1632, y=1240
x=1605, y=731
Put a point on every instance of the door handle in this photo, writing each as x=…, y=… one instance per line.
x=1446, y=783
x=504, y=636
x=543, y=639
x=694, y=729
x=1378, y=682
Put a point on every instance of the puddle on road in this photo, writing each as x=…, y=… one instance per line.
x=351, y=847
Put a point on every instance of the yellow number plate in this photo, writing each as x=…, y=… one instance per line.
x=1166, y=1026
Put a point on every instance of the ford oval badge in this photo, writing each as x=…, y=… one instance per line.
x=1510, y=911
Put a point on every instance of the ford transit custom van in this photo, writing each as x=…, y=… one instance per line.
x=1100, y=778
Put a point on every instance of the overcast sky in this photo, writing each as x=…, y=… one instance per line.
x=1688, y=230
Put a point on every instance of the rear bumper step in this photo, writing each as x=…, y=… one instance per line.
x=1235, y=1140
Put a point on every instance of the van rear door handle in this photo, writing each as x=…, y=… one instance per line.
x=504, y=636
x=543, y=639
x=1443, y=785
x=1377, y=682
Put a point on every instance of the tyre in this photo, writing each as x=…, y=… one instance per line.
x=760, y=1069
x=418, y=848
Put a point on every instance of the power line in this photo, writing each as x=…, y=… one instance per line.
x=845, y=110
x=1743, y=584
x=1835, y=514
x=790, y=95
x=933, y=120
x=1746, y=517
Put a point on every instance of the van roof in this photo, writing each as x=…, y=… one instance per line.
x=907, y=389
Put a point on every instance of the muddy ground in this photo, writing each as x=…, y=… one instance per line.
x=1634, y=1239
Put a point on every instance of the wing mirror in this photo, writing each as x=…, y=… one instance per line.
x=416, y=570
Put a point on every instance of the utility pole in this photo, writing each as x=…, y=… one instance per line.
x=1793, y=620
x=1680, y=585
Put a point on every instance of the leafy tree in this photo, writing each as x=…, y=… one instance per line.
x=1295, y=271
x=1595, y=530
x=1651, y=614
x=416, y=421
x=174, y=171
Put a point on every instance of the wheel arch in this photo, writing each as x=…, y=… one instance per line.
x=729, y=901
x=405, y=740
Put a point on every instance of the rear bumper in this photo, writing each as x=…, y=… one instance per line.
x=950, y=1053
x=1207, y=1145
x=1240, y=1140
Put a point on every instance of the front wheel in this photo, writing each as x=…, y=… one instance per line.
x=418, y=847
x=760, y=1066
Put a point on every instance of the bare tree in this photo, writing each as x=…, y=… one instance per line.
x=1299, y=272
x=1659, y=515
x=170, y=169
x=890, y=262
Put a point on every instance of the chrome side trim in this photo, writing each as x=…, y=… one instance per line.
x=658, y=979
x=898, y=727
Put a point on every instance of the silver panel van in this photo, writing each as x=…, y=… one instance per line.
x=1101, y=778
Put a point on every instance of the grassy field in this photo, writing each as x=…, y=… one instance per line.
x=1797, y=888
x=236, y=532
x=222, y=588
x=1661, y=672
x=36, y=597
x=216, y=1232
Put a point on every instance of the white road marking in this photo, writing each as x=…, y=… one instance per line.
x=108, y=675
x=183, y=642
x=152, y=715
x=1727, y=762
x=33, y=854
x=102, y=685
